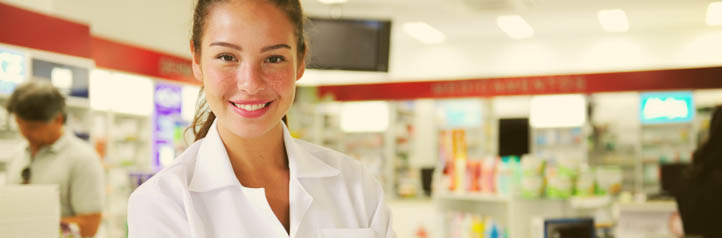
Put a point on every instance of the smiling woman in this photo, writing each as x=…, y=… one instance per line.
x=245, y=176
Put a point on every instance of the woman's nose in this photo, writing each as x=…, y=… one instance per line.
x=250, y=79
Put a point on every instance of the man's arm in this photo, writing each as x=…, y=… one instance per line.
x=87, y=192
x=88, y=223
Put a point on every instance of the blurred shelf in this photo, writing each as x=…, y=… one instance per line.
x=655, y=206
x=474, y=197
x=77, y=102
x=590, y=202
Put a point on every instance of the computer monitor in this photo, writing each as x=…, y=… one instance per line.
x=513, y=136
x=569, y=228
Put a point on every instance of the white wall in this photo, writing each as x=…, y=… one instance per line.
x=544, y=55
x=561, y=54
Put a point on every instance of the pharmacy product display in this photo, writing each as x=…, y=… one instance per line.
x=468, y=225
x=406, y=177
x=667, y=133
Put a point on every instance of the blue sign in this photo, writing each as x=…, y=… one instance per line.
x=666, y=107
x=461, y=113
x=13, y=69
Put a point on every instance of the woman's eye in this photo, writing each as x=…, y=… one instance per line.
x=227, y=58
x=275, y=59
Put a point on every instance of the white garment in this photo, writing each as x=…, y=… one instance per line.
x=330, y=195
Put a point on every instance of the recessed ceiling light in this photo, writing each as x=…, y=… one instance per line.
x=424, y=33
x=515, y=26
x=714, y=14
x=332, y=1
x=613, y=20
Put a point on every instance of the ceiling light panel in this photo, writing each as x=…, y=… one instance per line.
x=515, y=26
x=613, y=20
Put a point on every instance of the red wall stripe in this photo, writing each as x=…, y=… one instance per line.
x=34, y=30
x=124, y=57
x=672, y=79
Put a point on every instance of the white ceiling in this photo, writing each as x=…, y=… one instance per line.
x=165, y=24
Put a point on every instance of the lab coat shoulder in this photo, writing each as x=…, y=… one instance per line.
x=157, y=208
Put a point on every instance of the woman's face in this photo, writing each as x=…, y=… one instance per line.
x=249, y=66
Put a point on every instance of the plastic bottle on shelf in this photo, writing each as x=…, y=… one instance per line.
x=473, y=176
x=503, y=177
x=488, y=175
x=491, y=229
x=476, y=227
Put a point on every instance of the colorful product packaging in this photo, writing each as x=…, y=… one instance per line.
x=609, y=180
x=559, y=185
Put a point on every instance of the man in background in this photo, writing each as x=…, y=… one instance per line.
x=54, y=155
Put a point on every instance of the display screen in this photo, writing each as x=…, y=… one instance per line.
x=12, y=70
x=569, y=228
x=349, y=44
x=72, y=80
x=460, y=113
x=513, y=136
x=666, y=107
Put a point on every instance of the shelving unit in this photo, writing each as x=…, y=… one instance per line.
x=516, y=215
x=557, y=142
x=661, y=144
x=126, y=139
x=405, y=177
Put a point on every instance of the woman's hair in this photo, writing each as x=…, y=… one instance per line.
x=708, y=156
x=292, y=8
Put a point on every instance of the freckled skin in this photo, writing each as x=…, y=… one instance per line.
x=248, y=73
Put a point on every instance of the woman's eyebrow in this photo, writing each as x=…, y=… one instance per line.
x=226, y=44
x=273, y=47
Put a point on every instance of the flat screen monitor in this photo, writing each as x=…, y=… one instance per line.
x=569, y=228
x=513, y=136
x=349, y=44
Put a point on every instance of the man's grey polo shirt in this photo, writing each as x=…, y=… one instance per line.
x=73, y=165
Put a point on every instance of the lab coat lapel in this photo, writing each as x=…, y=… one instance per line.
x=213, y=168
x=302, y=164
x=300, y=202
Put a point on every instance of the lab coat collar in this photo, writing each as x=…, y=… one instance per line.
x=303, y=164
x=213, y=168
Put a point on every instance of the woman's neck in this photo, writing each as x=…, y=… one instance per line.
x=252, y=158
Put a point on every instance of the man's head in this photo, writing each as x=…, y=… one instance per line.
x=39, y=111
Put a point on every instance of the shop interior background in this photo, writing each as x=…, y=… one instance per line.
x=402, y=140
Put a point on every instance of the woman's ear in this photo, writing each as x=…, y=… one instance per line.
x=196, y=62
x=301, y=69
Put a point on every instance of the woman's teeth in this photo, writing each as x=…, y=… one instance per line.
x=249, y=107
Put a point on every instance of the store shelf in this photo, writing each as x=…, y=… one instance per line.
x=656, y=206
x=78, y=102
x=590, y=202
x=475, y=197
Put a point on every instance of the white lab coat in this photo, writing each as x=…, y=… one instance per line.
x=330, y=195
